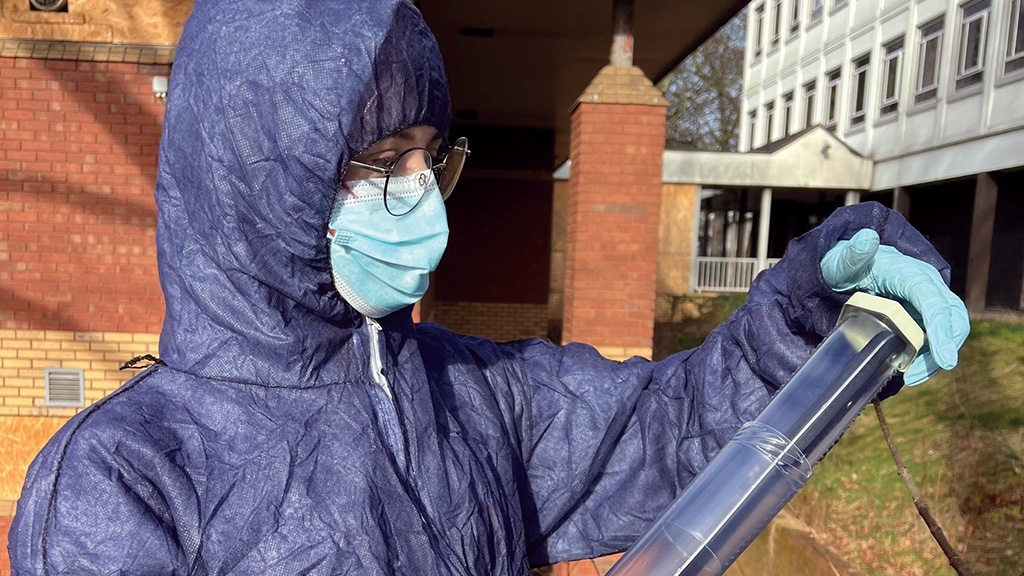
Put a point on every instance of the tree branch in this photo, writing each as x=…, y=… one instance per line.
x=955, y=560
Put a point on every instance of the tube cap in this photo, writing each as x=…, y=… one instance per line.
x=893, y=315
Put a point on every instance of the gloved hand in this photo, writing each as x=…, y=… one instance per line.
x=860, y=263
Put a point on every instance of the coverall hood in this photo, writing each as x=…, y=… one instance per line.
x=269, y=100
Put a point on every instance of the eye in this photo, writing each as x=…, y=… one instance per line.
x=384, y=162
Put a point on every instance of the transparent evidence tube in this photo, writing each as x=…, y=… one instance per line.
x=757, y=472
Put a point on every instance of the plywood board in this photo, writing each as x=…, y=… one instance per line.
x=145, y=22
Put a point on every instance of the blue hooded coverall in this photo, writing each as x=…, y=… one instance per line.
x=266, y=446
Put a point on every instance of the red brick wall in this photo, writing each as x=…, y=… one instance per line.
x=614, y=210
x=78, y=158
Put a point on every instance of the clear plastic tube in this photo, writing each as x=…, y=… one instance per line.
x=757, y=472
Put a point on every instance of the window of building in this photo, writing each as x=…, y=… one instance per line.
x=776, y=22
x=787, y=114
x=970, y=64
x=892, y=70
x=1015, y=38
x=816, y=8
x=838, y=3
x=809, y=91
x=794, y=18
x=929, y=53
x=769, y=121
x=758, y=30
x=832, y=99
x=860, y=88
x=752, y=130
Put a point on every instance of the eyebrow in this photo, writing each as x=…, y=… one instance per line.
x=407, y=134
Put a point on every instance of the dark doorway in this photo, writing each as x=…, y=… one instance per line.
x=942, y=213
x=1006, y=269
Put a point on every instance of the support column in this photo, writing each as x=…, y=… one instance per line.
x=982, y=226
x=901, y=201
x=762, y=229
x=852, y=197
x=615, y=191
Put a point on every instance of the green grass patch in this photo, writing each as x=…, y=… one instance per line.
x=961, y=436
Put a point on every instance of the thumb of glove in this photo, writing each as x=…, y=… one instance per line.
x=847, y=264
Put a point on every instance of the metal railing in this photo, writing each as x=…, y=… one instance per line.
x=727, y=274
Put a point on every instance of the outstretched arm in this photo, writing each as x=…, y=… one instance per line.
x=608, y=445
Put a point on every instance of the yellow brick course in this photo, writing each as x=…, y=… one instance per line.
x=623, y=353
x=45, y=344
x=25, y=354
x=32, y=354
x=499, y=321
x=26, y=423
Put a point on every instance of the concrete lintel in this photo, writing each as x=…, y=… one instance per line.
x=815, y=159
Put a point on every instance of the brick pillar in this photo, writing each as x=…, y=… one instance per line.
x=617, y=141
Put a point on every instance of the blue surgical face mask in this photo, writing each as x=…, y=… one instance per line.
x=381, y=263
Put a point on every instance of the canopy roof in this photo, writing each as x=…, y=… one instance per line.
x=524, y=63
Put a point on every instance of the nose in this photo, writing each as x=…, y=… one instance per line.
x=414, y=161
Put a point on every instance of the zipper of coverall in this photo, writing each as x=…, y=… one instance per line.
x=387, y=405
x=390, y=410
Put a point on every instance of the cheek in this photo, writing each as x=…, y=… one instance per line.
x=357, y=174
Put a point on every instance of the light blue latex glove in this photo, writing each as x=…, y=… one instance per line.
x=860, y=263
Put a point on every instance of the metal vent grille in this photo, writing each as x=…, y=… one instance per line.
x=65, y=387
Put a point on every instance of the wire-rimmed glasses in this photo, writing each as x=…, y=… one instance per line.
x=400, y=199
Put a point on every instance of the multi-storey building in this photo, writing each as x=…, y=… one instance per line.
x=932, y=92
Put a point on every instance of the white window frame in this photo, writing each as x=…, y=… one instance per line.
x=758, y=30
x=861, y=67
x=776, y=22
x=892, y=56
x=769, y=121
x=924, y=92
x=962, y=72
x=834, y=79
x=752, y=127
x=810, y=93
x=1014, y=58
x=794, y=19
x=787, y=113
x=837, y=4
x=817, y=7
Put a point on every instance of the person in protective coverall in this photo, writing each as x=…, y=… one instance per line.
x=291, y=430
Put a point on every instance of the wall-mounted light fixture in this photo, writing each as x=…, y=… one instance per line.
x=160, y=87
x=49, y=5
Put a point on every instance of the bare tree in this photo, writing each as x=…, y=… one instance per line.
x=704, y=93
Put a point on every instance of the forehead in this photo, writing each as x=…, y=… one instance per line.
x=412, y=137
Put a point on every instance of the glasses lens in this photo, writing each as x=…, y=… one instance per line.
x=408, y=181
x=452, y=167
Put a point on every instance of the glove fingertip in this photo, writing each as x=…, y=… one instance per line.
x=865, y=240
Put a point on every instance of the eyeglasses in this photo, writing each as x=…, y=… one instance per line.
x=400, y=199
